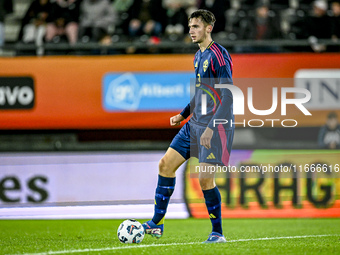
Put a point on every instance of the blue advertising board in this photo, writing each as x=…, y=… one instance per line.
x=163, y=91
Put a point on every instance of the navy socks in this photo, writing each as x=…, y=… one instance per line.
x=164, y=190
x=213, y=203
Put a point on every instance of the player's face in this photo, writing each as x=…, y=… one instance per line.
x=197, y=30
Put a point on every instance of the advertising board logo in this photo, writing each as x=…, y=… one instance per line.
x=145, y=91
x=21, y=189
x=324, y=86
x=123, y=92
x=16, y=93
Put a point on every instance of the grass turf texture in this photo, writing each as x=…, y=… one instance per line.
x=42, y=236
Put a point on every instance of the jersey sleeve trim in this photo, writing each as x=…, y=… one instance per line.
x=218, y=55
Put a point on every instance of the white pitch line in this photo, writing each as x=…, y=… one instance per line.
x=276, y=238
x=169, y=244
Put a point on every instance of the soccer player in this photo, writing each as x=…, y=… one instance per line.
x=200, y=137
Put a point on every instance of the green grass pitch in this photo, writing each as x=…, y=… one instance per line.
x=245, y=236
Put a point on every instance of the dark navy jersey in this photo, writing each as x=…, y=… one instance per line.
x=213, y=66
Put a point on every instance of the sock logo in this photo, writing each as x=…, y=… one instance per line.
x=212, y=216
x=161, y=221
x=211, y=156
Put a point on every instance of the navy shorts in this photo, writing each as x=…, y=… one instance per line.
x=187, y=143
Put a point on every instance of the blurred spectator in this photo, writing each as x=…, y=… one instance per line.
x=96, y=16
x=177, y=19
x=305, y=4
x=33, y=25
x=218, y=8
x=6, y=7
x=147, y=17
x=190, y=6
x=280, y=4
x=122, y=8
x=318, y=25
x=63, y=20
x=122, y=5
x=262, y=26
x=329, y=135
x=335, y=28
x=247, y=4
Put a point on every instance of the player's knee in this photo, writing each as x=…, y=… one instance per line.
x=207, y=183
x=165, y=168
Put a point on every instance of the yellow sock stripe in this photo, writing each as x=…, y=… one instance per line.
x=161, y=221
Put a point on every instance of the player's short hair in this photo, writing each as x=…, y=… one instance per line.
x=206, y=16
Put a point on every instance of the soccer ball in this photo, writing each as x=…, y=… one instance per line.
x=130, y=231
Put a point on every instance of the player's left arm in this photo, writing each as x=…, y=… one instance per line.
x=224, y=76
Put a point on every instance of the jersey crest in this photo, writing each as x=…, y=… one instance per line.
x=205, y=65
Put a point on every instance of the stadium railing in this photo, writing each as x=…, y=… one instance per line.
x=238, y=46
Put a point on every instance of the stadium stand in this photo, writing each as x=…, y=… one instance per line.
x=291, y=16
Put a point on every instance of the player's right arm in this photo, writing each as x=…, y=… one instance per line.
x=177, y=119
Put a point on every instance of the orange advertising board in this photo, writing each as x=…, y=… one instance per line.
x=68, y=91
